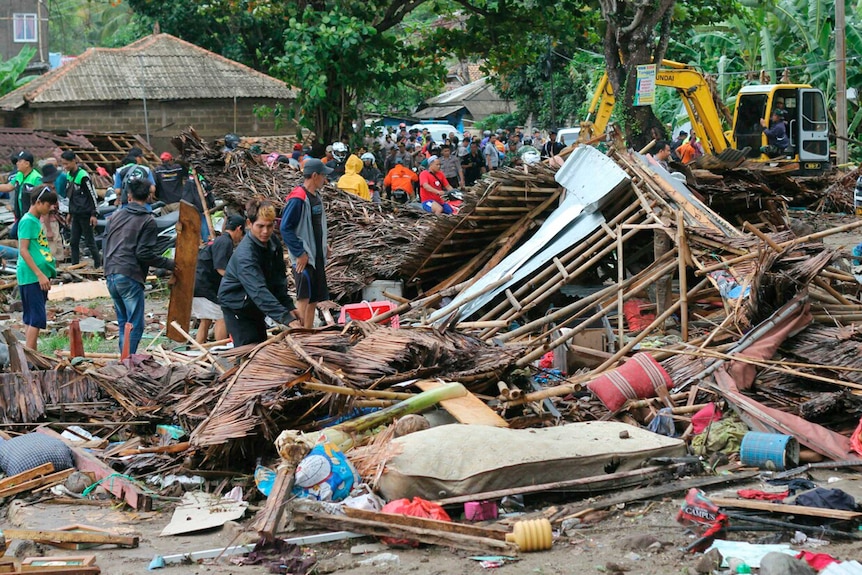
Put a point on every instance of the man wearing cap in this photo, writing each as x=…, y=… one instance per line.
x=170, y=178
x=432, y=184
x=26, y=179
x=303, y=229
x=776, y=134
x=212, y=263
x=328, y=157
x=552, y=147
x=82, y=208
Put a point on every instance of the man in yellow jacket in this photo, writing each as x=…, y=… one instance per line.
x=351, y=181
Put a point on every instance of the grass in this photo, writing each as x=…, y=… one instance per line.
x=48, y=344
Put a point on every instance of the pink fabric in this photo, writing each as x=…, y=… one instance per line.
x=856, y=439
x=704, y=417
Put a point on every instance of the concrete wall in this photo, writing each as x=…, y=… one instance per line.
x=210, y=118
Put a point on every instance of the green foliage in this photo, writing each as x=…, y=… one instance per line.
x=12, y=70
x=501, y=121
x=76, y=25
x=277, y=113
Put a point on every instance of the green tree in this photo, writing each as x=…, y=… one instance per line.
x=76, y=25
x=12, y=70
x=338, y=53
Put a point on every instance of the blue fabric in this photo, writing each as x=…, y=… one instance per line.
x=205, y=229
x=128, y=296
x=33, y=305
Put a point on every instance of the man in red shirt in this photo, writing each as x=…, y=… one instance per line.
x=432, y=184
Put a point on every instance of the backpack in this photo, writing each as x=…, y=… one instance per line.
x=133, y=171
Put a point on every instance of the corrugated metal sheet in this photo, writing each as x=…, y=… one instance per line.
x=435, y=112
x=845, y=568
x=160, y=67
x=591, y=179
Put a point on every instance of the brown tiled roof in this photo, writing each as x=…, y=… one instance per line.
x=158, y=67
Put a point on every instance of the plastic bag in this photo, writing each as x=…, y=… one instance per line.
x=698, y=512
x=324, y=474
x=418, y=507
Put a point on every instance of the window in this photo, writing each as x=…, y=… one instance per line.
x=25, y=27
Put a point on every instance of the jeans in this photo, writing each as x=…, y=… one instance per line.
x=81, y=225
x=128, y=296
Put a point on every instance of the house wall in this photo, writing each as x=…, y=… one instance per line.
x=10, y=48
x=210, y=118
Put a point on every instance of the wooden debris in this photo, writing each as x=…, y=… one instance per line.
x=62, y=536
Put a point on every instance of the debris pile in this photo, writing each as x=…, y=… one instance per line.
x=596, y=328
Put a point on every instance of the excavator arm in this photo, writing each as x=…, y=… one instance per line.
x=696, y=94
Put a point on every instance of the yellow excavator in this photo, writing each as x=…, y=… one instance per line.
x=804, y=110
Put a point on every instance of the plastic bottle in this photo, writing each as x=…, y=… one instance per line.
x=744, y=568
x=531, y=535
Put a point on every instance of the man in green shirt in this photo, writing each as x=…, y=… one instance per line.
x=36, y=265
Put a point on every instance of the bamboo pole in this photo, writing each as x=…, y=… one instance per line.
x=682, y=257
x=198, y=346
x=803, y=239
x=366, y=393
x=621, y=277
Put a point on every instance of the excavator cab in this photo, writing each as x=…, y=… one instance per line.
x=804, y=110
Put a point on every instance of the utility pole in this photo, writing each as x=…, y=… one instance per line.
x=841, y=84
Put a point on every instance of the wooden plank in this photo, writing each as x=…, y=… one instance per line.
x=430, y=524
x=432, y=536
x=79, y=291
x=467, y=409
x=37, y=482
x=608, y=481
x=59, y=536
x=13, y=480
x=66, y=570
x=186, y=261
x=786, y=509
x=119, y=486
x=650, y=492
x=268, y=520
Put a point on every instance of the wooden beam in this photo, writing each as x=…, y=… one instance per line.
x=60, y=536
x=20, y=478
x=186, y=261
x=384, y=528
x=839, y=514
x=431, y=524
x=37, y=482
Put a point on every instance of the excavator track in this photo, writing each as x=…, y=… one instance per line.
x=726, y=160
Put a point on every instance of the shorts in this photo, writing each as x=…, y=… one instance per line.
x=202, y=308
x=426, y=205
x=311, y=284
x=33, y=300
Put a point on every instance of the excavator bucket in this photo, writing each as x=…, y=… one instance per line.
x=727, y=160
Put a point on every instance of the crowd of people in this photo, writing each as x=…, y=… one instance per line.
x=241, y=277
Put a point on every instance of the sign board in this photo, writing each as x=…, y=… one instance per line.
x=645, y=93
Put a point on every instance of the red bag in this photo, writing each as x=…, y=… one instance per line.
x=699, y=513
x=417, y=508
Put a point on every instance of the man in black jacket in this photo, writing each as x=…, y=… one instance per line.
x=254, y=285
x=170, y=178
x=130, y=250
x=82, y=208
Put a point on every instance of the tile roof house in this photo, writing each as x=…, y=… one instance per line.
x=156, y=86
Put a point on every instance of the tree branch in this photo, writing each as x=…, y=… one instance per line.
x=395, y=13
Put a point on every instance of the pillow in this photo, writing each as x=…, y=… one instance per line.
x=638, y=378
x=25, y=452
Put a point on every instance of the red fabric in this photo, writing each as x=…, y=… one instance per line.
x=635, y=318
x=818, y=561
x=638, y=378
x=762, y=495
x=547, y=361
x=297, y=192
x=704, y=417
x=437, y=181
x=417, y=508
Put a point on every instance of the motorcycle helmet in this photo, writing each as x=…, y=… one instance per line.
x=486, y=133
x=367, y=157
x=231, y=141
x=339, y=151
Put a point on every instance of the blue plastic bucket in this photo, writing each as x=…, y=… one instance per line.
x=769, y=450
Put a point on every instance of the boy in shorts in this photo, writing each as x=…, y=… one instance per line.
x=36, y=265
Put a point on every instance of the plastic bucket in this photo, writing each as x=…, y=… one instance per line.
x=769, y=450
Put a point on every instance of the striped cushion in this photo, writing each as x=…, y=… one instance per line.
x=638, y=378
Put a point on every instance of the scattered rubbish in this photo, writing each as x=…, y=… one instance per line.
x=199, y=511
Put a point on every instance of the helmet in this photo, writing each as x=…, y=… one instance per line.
x=367, y=157
x=486, y=133
x=231, y=141
x=339, y=151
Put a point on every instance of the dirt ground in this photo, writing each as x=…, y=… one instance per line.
x=588, y=550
